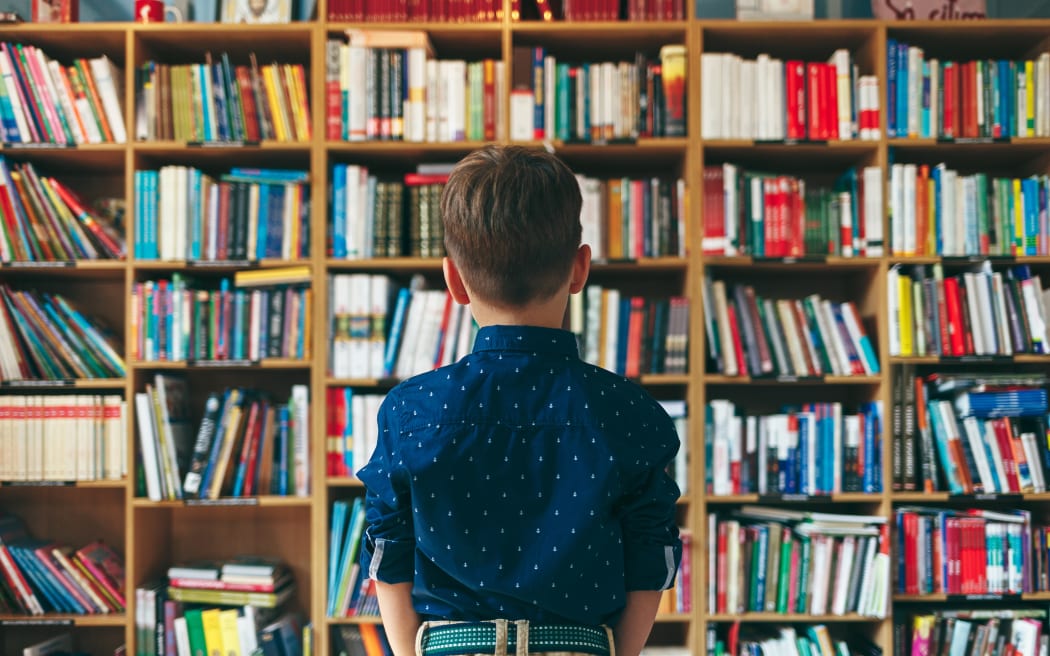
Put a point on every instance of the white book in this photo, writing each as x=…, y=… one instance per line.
x=844, y=563
x=750, y=101
x=465, y=342
x=378, y=311
x=909, y=219
x=914, y=118
x=182, y=637
x=874, y=213
x=731, y=203
x=1035, y=462
x=25, y=133
x=611, y=309
x=972, y=430
x=840, y=59
x=300, y=412
x=897, y=209
x=730, y=366
x=148, y=444
x=1002, y=321
x=111, y=95
x=451, y=335
x=591, y=214
x=893, y=310
x=521, y=114
x=246, y=631
x=358, y=305
x=710, y=65
x=65, y=102
x=935, y=105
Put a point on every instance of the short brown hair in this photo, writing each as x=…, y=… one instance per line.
x=512, y=223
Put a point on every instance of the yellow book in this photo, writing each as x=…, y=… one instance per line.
x=931, y=217
x=229, y=437
x=299, y=74
x=268, y=277
x=614, y=220
x=231, y=638
x=1018, y=218
x=295, y=102
x=1029, y=85
x=213, y=632
x=907, y=328
x=276, y=113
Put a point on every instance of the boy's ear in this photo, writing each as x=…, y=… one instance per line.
x=454, y=282
x=581, y=268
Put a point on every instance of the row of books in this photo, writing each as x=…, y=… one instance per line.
x=679, y=597
x=612, y=10
x=814, y=449
x=381, y=330
x=386, y=11
x=989, y=98
x=374, y=217
x=986, y=435
x=246, y=444
x=217, y=101
x=972, y=632
x=979, y=311
x=351, y=430
x=44, y=101
x=183, y=213
x=767, y=215
x=770, y=99
x=748, y=334
x=630, y=334
x=388, y=85
x=785, y=561
x=937, y=211
x=631, y=218
x=180, y=319
x=361, y=640
x=62, y=438
x=597, y=101
x=965, y=552
x=204, y=613
x=47, y=221
x=45, y=337
x=39, y=576
x=345, y=579
x=811, y=640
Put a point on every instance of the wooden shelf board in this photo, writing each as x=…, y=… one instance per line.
x=343, y=481
x=793, y=264
x=840, y=497
x=941, y=597
x=719, y=379
x=406, y=264
x=946, y=497
x=268, y=501
x=1024, y=358
x=75, y=383
x=268, y=363
x=205, y=266
x=788, y=618
x=115, y=620
x=89, y=485
x=356, y=619
x=965, y=260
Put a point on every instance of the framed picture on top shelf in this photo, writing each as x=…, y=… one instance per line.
x=774, y=9
x=256, y=11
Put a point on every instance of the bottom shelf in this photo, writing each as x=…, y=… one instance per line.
x=52, y=620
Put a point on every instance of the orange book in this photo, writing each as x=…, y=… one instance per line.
x=373, y=643
x=922, y=212
x=614, y=220
x=93, y=98
x=634, y=337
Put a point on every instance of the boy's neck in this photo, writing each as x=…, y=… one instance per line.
x=543, y=314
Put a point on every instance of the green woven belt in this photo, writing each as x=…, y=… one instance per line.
x=480, y=637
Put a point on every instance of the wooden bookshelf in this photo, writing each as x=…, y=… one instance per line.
x=153, y=535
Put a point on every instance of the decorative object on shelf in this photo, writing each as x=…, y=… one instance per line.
x=256, y=11
x=774, y=9
x=55, y=11
x=155, y=11
x=929, y=9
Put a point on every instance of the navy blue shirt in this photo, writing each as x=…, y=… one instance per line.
x=522, y=483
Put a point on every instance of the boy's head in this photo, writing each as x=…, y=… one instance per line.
x=512, y=223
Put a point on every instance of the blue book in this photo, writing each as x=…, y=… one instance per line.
x=538, y=93
x=347, y=438
x=758, y=568
x=7, y=117
x=273, y=176
x=339, y=211
x=803, y=487
x=40, y=580
x=283, y=444
x=335, y=541
x=902, y=89
x=231, y=398
x=623, y=324
x=201, y=72
x=891, y=87
x=585, y=84
x=940, y=434
x=924, y=129
x=152, y=217
x=275, y=222
x=561, y=107
x=196, y=215
x=397, y=327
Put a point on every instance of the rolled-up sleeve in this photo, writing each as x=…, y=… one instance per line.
x=389, y=544
x=652, y=547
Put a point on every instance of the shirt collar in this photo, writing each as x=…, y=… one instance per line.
x=526, y=338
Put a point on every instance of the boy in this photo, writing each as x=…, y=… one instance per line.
x=519, y=483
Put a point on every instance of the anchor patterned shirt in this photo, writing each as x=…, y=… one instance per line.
x=522, y=483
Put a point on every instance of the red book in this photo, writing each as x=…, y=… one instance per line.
x=722, y=567
x=43, y=555
x=714, y=219
x=814, y=93
x=333, y=108
x=734, y=326
x=251, y=430
x=335, y=463
x=105, y=567
x=948, y=106
x=922, y=209
x=634, y=337
x=829, y=110
x=953, y=306
x=211, y=584
x=221, y=251
x=795, y=87
x=489, y=96
x=956, y=101
x=797, y=212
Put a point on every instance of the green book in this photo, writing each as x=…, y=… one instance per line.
x=195, y=627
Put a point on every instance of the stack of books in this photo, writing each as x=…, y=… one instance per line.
x=749, y=334
x=387, y=11
x=977, y=312
x=935, y=210
x=811, y=640
x=964, y=551
x=265, y=313
x=245, y=215
x=240, y=581
x=42, y=576
x=769, y=99
x=44, y=337
x=629, y=334
x=217, y=101
x=997, y=632
x=632, y=218
x=767, y=215
x=787, y=561
x=43, y=101
x=972, y=433
x=383, y=217
x=63, y=438
x=246, y=444
x=811, y=449
x=47, y=221
x=346, y=584
x=987, y=98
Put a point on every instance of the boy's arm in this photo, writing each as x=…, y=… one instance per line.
x=400, y=620
x=636, y=622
